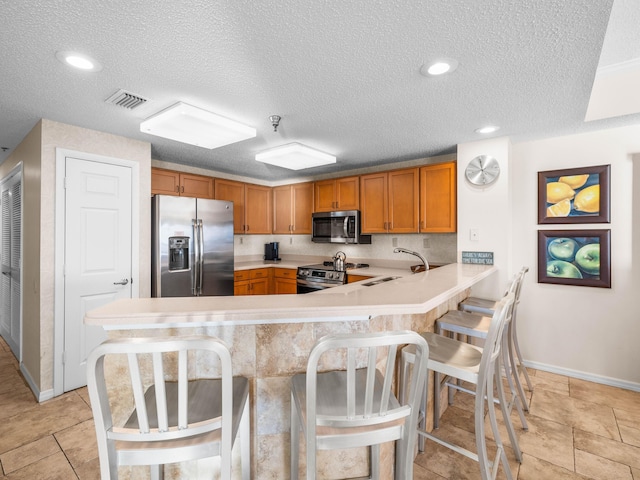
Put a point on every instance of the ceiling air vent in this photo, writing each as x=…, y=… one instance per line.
x=125, y=99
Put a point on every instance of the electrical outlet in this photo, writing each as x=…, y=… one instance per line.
x=290, y=240
x=426, y=243
x=474, y=235
x=394, y=242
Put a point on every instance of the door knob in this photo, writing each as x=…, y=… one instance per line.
x=124, y=281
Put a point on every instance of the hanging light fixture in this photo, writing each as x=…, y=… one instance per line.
x=188, y=124
x=295, y=156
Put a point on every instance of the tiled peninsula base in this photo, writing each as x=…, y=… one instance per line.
x=269, y=354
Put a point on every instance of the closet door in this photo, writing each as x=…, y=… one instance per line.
x=10, y=259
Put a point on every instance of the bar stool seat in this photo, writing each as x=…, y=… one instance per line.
x=475, y=365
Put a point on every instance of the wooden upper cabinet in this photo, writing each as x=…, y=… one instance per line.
x=404, y=196
x=438, y=204
x=337, y=194
x=232, y=192
x=389, y=201
x=251, y=205
x=292, y=208
x=257, y=209
x=374, y=203
x=169, y=182
x=196, y=186
x=165, y=182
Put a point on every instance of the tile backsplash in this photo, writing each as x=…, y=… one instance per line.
x=436, y=248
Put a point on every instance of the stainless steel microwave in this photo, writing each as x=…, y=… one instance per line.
x=337, y=227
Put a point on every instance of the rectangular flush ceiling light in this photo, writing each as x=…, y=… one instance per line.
x=295, y=156
x=193, y=125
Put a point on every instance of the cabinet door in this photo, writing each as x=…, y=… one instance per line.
x=232, y=192
x=374, y=203
x=259, y=286
x=241, y=287
x=347, y=193
x=302, y=207
x=404, y=191
x=165, y=182
x=438, y=198
x=282, y=206
x=257, y=209
x=196, y=186
x=284, y=286
x=324, y=196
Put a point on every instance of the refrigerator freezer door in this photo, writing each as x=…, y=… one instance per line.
x=217, y=246
x=172, y=223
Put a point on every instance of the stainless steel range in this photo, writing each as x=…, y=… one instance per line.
x=312, y=278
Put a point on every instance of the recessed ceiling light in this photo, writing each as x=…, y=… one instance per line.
x=438, y=67
x=487, y=129
x=295, y=156
x=79, y=61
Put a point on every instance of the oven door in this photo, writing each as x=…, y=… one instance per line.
x=306, y=286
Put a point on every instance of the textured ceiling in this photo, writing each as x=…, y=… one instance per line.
x=343, y=75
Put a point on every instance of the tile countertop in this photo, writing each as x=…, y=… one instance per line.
x=408, y=294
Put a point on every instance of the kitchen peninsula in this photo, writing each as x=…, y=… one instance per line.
x=271, y=336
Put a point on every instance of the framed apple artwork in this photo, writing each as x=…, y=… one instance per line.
x=575, y=257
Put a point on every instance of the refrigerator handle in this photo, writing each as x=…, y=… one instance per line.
x=195, y=271
x=201, y=252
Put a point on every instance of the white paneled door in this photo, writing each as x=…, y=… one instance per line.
x=98, y=246
x=11, y=259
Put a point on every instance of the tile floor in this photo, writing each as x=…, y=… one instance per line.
x=577, y=430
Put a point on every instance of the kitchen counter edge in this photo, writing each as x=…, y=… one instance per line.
x=409, y=294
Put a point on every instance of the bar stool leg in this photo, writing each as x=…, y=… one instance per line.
x=295, y=442
x=484, y=468
x=505, y=411
x=509, y=374
x=515, y=346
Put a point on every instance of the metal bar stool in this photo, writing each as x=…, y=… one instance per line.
x=475, y=325
x=173, y=421
x=356, y=407
x=472, y=364
x=486, y=307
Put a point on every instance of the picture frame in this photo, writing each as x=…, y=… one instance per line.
x=574, y=195
x=575, y=257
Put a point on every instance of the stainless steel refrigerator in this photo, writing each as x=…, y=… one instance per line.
x=191, y=247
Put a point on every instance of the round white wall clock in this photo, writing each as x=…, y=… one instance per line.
x=482, y=170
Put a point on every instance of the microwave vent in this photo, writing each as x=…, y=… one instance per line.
x=125, y=99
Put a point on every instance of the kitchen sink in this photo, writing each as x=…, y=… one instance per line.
x=378, y=281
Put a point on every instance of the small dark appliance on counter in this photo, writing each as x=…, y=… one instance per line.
x=271, y=252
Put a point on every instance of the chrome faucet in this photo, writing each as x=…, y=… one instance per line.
x=410, y=252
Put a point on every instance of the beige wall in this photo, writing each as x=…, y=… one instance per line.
x=28, y=153
x=38, y=154
x=580, y=331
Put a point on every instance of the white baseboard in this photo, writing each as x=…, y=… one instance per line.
x=40, y=396
x=591, y=377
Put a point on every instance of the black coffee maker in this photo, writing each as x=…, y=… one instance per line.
x=271, y=251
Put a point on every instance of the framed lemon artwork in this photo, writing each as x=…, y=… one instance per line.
x=574, y=195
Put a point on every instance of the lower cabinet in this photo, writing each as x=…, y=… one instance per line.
x=356, y=278
x=252, y=282
x=264, y=281
x=284, y=281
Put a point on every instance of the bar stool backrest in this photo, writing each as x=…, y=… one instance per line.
x=168, y=406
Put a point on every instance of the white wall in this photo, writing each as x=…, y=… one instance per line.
x=580, y=331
